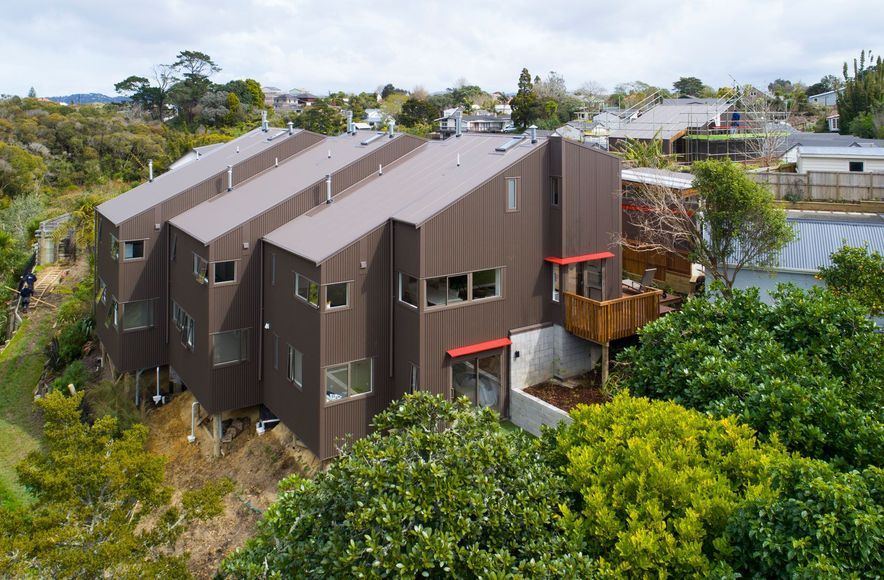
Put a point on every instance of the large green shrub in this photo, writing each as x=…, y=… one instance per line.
x=858, y=273
x=818, y=524
x=657, y=485
x=439, y=489
x=808, y=368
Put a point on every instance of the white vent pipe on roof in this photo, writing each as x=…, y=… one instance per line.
x=328, y=196
x=391, y=127
x=230, y=178
x=350, y=129
x=265, y=126
x=291, y=127
x=150, y=169
x=458, y=123
x=380, y=169
x=533, y=129
x=458, y=159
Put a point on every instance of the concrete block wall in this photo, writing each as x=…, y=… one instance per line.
x=529, y=413
x=547, y=352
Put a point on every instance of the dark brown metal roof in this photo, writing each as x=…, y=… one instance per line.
x=217, y=216
x=173, y=182
x=412, y=190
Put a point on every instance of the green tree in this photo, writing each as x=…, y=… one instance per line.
x=195, y=69
x=863, y=125
x=101, y=509
x=863, y=92
x=32, y=93
x=656, y=485
x=859, y=274
x=438, y=489
x=21, y=172
x=525, y=103
x=415, y=112
x=806, y=370
x=151, y=97
x=322, y=118
x=732, y=222
x=644, y=153
x=685, y=86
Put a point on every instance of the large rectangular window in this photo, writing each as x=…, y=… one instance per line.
x=184, y=324
x=512, y=194
x=133, y=250
x=200, y=269
x=230, y=347
x=408, y=289
x=307, y=290
x=113, y=314
x=138, y=315
x=225, y=272
x=348, y=380
x=486, y=284
x=556, y=283
x=102, y=292
x=555, y=193
x=337, y=295
x=295, y=366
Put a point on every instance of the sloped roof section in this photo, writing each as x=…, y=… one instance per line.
x=412, y=190
x=670, y=118
x=217, y=216
x=169, y=184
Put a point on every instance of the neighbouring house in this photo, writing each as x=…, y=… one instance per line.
x=832, y=140
x=55, y=240
x=854, y=159
x=375, y=118
x=480, y=123
x=323, y=277
x=270, y=94
x=827, y=99
x=833, y=122
x=817, y=236
x=288, y=102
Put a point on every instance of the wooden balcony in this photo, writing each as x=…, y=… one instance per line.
x=602, y=322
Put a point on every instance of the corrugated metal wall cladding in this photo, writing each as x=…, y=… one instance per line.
x=348, y=421
x=298, y=325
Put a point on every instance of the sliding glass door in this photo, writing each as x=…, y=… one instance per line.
x=480, y=380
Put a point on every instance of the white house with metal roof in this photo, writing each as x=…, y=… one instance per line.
x=817, y=236
x=856, y=159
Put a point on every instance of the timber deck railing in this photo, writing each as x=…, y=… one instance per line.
x=602, y=322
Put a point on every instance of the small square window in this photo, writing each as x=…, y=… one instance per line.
x=225, y=272
x=512, y=194
x=138, y=315
x=307, y=290
x=857, y=166
x=133, y=250
x=486, y=284
x=230, y=347
x=337, y=295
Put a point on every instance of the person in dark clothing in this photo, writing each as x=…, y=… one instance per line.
x=31, y=279
x=26, y=294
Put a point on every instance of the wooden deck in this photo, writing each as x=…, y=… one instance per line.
x=602, y=322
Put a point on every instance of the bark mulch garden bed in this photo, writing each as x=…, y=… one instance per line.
x=582, y=389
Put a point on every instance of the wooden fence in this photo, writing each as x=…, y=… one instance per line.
x=823, y=185
x=636, y=263
x=604, y=321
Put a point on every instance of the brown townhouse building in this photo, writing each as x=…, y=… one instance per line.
x=361, y=269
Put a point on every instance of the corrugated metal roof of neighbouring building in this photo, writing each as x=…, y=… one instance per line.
x=652, y=176
x=217, y=216
x=411, y=190
x=857, y=151
x=818, y=236
x=169, y=184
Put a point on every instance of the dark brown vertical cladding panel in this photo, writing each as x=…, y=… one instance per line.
x=108, y=271
x=358, y=332
x=553, y=241
x=295, y=324
x=192, y=366
x=406, y=320
x=477, y=233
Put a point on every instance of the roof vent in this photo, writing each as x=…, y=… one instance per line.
x=230, y=178
x=265, y=126
x=391, y=128
x=328, y=195
x=458, y=159
x=510, y=144
x=372, y=139
x=458, y=123
x=150, y=169
x=351, y=128
x=291, y=127
x=533, y=129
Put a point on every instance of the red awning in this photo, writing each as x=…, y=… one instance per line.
x=479, y=347
x=576, y=259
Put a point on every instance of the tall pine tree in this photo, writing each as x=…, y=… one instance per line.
x=863, y=92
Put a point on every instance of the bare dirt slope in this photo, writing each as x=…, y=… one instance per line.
x=254, y=463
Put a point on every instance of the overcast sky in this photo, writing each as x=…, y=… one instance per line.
x=66, y=46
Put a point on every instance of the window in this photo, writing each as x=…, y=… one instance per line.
x=114, y=247
x=273, y=269
x=512, y=194
x=857, y=166
x=307, y=290
x=337, y=295
x=173, y=250
x=295, y=367
x=133, y=250
x=555, y=184
x=225, y=272
x=230, y=347
x=200, y=269
x=447, y=290
x=102, y=292
x=184, y=324
x=348, y=380
x=113, y=313
x=412, y=379
x=486, y=284
x=556, y=283
x=138, y=315
x=408, y=289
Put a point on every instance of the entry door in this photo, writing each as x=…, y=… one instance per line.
x=591, y=280
x=480, y=380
